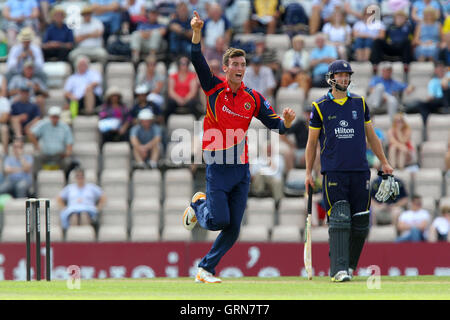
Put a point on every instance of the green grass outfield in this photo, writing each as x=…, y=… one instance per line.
x=247, y=288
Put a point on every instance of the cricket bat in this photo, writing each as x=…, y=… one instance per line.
x=307, y=247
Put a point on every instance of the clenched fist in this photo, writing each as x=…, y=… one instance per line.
x=288, y=116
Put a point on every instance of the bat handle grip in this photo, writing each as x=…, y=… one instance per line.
x=309, y=199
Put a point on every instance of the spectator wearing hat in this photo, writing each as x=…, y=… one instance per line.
x=145, y=100
x=24, y=113
x=114, y=117
x=152, y=77
x=38, y=89
x=396, y=43
x=385, y=92
x=53, y=142
x=183, y=91
x=58, y=38
x=145, y=138
x=148, y=36
x=25, y=51
x=260, y=78
x=83, y=89
x=89, y=38
x=18, y=15
x=18, y=170
x=108, y=12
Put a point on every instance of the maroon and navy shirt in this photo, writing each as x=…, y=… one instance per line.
x=228, y=114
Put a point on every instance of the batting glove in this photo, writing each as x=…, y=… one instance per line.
x=388, y=188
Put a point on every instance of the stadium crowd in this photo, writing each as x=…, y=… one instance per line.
x=391, y=45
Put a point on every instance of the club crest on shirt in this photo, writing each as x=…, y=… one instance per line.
x=247, y=106
x=267, y=104
x=354, y=115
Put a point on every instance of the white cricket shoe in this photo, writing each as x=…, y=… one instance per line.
x=204, y=276
x=341, y=276
x=350, y=273
x=189, y=218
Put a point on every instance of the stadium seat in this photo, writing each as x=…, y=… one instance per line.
x=57, y=73
x=362, y=69
x=420, y=71
x=438, y=127
x=432, y=154
x=250, y=233
x=429, y=204
x=180, y=121
x=382, y=122
x=382, y=233
x=14, y=213
x=97, y=66
x=14, y=233
x=319, y=234
x=178, y=182
x=178, y=153
x=444, y=201
x=115, y=183
x=116, y=155
x=291, y=212
x=112, y=234
x=116, y=71
x=290, y=98
x=85, y=129
x=50, y=183
x=146, y=184
x=286, y=233
x=87, y=152
x=144, y=233
x=173, y=209
x=80, y=234
x=447, y=184
x=310, y=42
x=314, y=94
x=279, y=42
x=405, y=176
x=417, y=130
x=175, y=233
x=115, y=212
x=260, y=212
x=55, y=98
x=145, y=212
x=397, y=71
x=428, y=183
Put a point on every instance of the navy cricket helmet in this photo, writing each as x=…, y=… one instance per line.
x=337, y=67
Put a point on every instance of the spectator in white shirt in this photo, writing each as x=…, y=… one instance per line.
x=25, y=51
x=78, y=199
x=216, y=25
x=89, y=38
x=260, y=77
x=84, y=88
x=338, y=32
x=365, y=31
x=412, y=224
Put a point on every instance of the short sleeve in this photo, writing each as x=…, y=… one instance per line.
x=366, y=111
x=315, y=118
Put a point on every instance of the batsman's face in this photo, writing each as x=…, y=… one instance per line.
x=342, y=78
x=235, y=70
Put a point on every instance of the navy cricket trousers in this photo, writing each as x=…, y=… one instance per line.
x=227, y=188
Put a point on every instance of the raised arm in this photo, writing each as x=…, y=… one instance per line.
x=207, y=79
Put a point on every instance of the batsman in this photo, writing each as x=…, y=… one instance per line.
x=340, y=121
